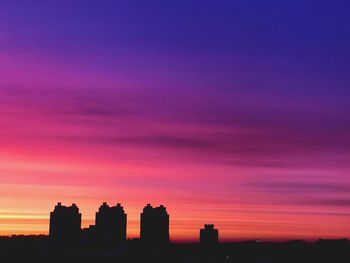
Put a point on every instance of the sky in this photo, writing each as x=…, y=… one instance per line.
x=235, y=113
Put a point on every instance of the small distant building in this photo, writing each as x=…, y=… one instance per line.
x=110, y=226
x=155, y=225
x=209, y=235
x=65, y=223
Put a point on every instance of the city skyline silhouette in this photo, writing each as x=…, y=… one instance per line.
x=106, y=241
x=111, y=226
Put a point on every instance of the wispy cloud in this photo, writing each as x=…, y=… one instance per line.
x=296, y=187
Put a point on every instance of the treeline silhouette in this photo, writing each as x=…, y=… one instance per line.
x=106, y=241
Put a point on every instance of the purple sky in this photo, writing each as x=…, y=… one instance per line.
x=238, y=109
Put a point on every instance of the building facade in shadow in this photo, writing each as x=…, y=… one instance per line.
x=65, y=223
x=110, y=225
x=209, y=235
x=155, y=225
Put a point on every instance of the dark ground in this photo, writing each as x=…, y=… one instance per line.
x=41, y=249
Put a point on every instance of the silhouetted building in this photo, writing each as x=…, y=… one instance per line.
x=65, y=223
x=88, y=235
x=209, y=235
x=155, y=224
x=110, y=224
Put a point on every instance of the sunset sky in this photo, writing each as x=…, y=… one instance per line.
x=235, y=113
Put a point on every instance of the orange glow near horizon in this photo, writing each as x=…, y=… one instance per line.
x=33, y=187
